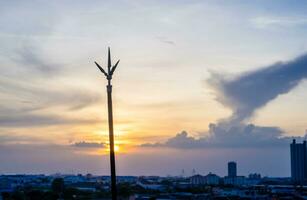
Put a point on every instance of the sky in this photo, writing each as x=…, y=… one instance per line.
x=199, y=83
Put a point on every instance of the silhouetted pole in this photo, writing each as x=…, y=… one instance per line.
x=110, y=119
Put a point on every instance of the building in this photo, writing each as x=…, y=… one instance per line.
x=209, y=179
x=233, y=178
x=212, y=179
x=253, y=179
x=150, y=186
x=298, y=153
x=254, y=176
x=232, y=169
x=238, y=180
x=197, y=180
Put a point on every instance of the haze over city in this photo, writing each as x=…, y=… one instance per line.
x=200, y=83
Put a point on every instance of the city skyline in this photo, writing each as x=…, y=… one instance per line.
x=201, y=83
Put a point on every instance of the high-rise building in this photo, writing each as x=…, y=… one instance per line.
x=232, y=169
x=298, y=162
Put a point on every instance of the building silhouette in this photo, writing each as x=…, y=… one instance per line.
x=209, y=179
x=232, y=169
x=298, y=162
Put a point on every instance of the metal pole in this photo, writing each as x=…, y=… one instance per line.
x=111, y=139
x=109, y=75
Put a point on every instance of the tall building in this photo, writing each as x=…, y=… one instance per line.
x=232, y=169
x=298, y=162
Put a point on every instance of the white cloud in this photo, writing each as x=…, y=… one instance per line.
x=269, y=21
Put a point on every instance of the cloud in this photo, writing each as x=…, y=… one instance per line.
x=29, y=58
x=10, y=137
x=244, y=95
x=28, y=119
x=253, y=90
x=269, y=21
x=24, y=103
x=84, y=144
x=165, y=40
x=29, y=109
x=242, y=136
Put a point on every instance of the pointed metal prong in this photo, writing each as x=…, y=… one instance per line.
x=101, y=69
x=109, y=60
x=114, y=67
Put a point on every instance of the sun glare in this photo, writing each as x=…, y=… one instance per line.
x=116, y=148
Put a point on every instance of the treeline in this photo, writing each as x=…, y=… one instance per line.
x=57, y=191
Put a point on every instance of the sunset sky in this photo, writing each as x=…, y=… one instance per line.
x=199, y=83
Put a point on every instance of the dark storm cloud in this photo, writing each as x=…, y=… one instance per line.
x=244, y=95
x=84, y=144
x=251, y=91
x=243, y=136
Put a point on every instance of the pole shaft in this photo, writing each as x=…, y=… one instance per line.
x=111, y=139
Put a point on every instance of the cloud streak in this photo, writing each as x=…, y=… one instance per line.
x=165, y=40
x=84, y=144
x=24, y=105
x=24, y=101
x=28, y=119
x=268, y=21
x=29, y=58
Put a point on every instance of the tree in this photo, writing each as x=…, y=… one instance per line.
x=124, y=189
x=18, y=195
x=35, y=195
x=58, y=186
x=5, y=195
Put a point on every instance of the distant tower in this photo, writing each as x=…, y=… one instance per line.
x=182, y=173
x=232, y=169
x=298, y=162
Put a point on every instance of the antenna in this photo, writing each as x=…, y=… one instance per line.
x=108, y=75
x=182, y=173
